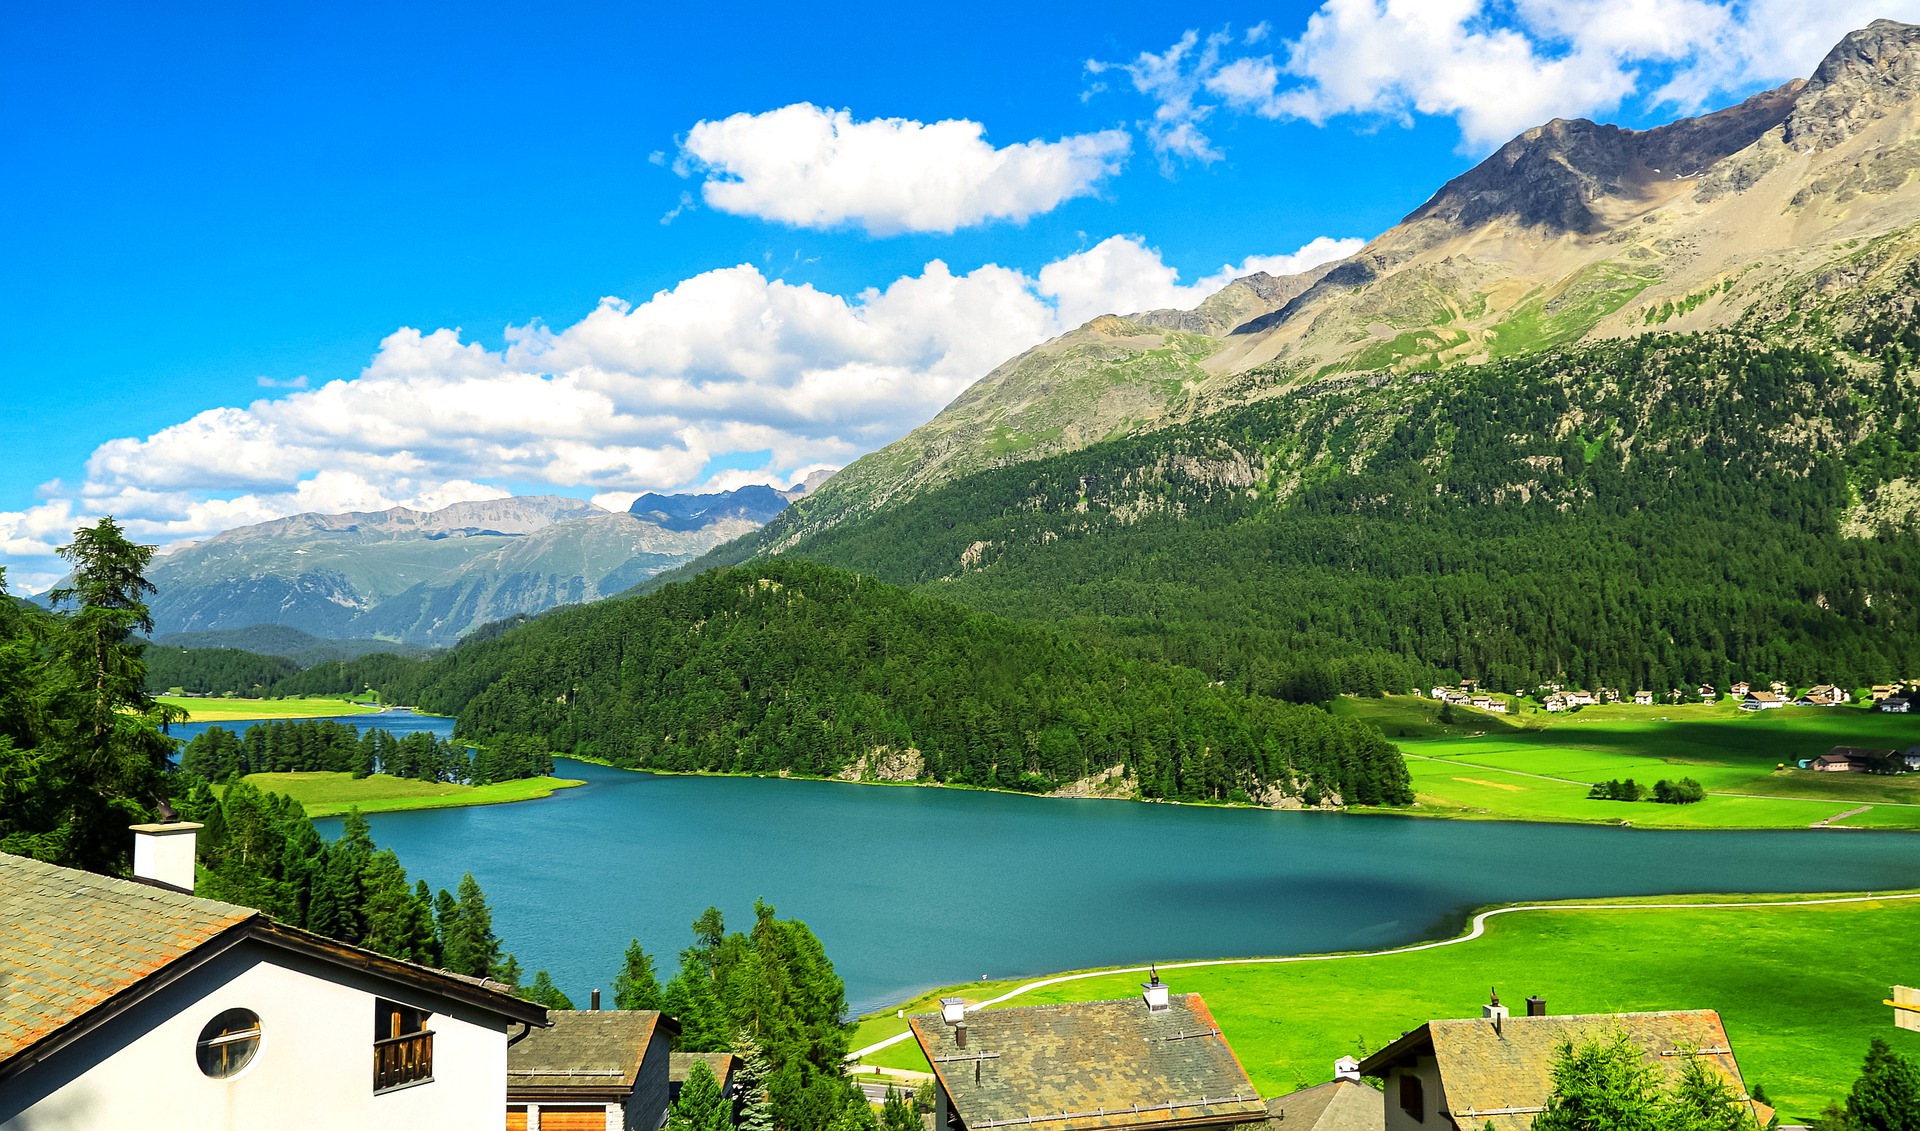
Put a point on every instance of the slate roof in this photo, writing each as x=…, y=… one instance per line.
x=1339, y=1105
x=1101, y=1064
x=681, y=1063
x=71, y=940
x=1502, y=1077
x=76, y=948
x=583, y=1048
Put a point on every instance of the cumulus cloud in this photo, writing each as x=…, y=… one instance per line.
x=812, y=167
x=630, y=398
x=1496, y=67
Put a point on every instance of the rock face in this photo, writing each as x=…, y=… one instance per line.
x=429, y=577
x=1572, y=231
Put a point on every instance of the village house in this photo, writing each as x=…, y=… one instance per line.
x=592, y=1070
x=1488, y=703
x=1824, y=695
x=123, y=1002
x=1708, y=692
x=1496, y=1071
x=1344, y=1103
x=1896, y=704
x=1856, y=760
x=1911, y=759
x=1555, y=702
x=1779, y=687
x=1643, y=698
x=721, y=1064
x=1581, y=699
x=1761, y=701
x=1158, y=1061
x=1740, y=689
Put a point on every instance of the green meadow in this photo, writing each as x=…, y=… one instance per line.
x=231, y=710
x=1539, y=766
x=331, y=794
x=1799, y=988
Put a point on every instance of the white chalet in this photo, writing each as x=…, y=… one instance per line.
x=129, y=1003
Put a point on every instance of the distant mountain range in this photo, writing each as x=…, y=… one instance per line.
x=427, y=578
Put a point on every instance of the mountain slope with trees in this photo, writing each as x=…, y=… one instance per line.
x=786, y=666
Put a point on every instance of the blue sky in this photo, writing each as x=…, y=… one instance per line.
x=270, y=258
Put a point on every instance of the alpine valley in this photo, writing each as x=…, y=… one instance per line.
x=1616, y=408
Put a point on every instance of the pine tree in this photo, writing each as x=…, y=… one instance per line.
x=750, y=1080
x=471, y=947
x=545, y=992
x=897, y=1113
x=1703, y=1101
x=1602, y=1085
x=636, y=986
x=701, y=1106
x=1886, y=1097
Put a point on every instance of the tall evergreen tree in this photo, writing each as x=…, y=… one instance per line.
x=750, y=1079
x=545, y=992
x=1886, y=1097
x=636, y=986
x=701, y=1106
x=1602, y=1084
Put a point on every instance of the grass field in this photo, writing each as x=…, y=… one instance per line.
x=1799, y=988
x=224, y=710
x=331, y=794
x=1538, y=767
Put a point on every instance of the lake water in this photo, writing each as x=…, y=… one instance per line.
x=910, y=888
x=399, y=721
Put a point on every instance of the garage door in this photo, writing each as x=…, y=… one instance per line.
x=573, y=1118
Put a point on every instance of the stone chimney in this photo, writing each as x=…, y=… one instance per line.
x=1494, y=1011
x=1536, y=1006
x=1346, y=1068
x=163, y=854
x=1155, y=993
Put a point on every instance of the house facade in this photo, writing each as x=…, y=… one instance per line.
x=122, y=999
x=1496, y=1071
x=592, y=1070
x=1761, y=701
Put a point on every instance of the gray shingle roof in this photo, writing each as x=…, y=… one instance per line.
x=71, y=940
x=585, y=1048
x=1338, y=1105
x=1100, y=1064
x=1509, y=1071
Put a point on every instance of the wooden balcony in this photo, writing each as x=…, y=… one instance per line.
x=400, y=1061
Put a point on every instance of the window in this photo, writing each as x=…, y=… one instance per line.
x=228, y=1042
x=402, y=1045
x=1413, y=1098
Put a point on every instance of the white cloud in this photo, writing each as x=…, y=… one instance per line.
x=817, y=168
x=1496, y=68
x=299, y=382
x=632, y=397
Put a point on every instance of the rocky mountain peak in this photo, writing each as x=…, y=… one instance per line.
x=1559, y=176
x=1865, y=77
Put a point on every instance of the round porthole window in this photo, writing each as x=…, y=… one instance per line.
x=228, y=1042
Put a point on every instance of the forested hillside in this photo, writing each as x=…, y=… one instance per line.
x=1648, y=513
x=789, y=666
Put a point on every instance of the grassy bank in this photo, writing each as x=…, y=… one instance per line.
x=331, y=794
x=1799, y=987
x=1538, y=767
x=237, y=710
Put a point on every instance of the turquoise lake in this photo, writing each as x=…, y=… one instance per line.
x=911, y=888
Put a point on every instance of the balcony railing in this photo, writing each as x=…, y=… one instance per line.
x=399, y=1061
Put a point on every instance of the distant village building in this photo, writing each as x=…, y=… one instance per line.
x=1779, y=687
x=1496, y=1070
x=1896, y=704
x=1740, y=689
x=592, y=1070
x=1708, y=692
x=1825, y=695
x=1643, y=698
x=1761, y=701
x=1882, y=691
x=1155, y=1062
x=1858, y=760
x=1342, y=1104
x=1911, y=759
x=134, y=1004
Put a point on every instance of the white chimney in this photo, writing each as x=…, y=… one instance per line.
x=953, y=1010
x=1495, y=1012
x=1155, y=993
x=163, y=854
x=1346, y=1068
